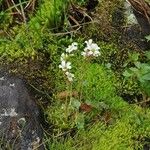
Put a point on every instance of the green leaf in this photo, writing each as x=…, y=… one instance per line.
x=125, y=64
x=147, y=54
x=137, y=64
x=127, y=74
x=80, y=121
x=75, y=103
x=135, y=56
x=148, y=38
x=108, y=65
x=145, y=67
x=134, y=69
x=146, y=77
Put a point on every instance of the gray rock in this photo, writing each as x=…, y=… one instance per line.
x=19, y=116
x=130, y=17
x=136, y=28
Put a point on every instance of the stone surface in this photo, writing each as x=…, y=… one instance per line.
x=136, y=28
x=19, y=116
x=141, y=10
x=130, y=17
x=143, y=22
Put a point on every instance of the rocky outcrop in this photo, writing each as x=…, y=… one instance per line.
x=137, y=25
x=19, y=116
x=141, y=9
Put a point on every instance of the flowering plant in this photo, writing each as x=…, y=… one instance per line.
x=91, y=50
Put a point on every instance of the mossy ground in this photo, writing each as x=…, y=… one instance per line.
x=32, y=50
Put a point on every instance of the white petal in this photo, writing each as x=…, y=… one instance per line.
x=68, y=65
x=86, y=49
x=95, y=46
x=90, y=53
x=83, y=53
x=72, y=47
x=75, y=43
x=70, y=76
x=70, y=79
x=97, y=52
x=64, y=69
x=63, y=63
x=63, y=57
x=67, y=73
x=63, y=54
x=90, y=41
x=60, y=66
x=68, y=49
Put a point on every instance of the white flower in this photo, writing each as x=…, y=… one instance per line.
x=89, y=42
x=83, y=54
x=12, y=112
x=91, y=49
x=95, y=47
x=96, y=53
x=72, y=47
x=65, y=65
x=63, y=57
x=89, y=53
x=91, y=46
x=70, y=76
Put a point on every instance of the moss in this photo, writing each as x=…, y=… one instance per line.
x=97, y=82
x=31, y=51
x=119, y=126
x=104, y=27
x=25, y=40
x=127, y=132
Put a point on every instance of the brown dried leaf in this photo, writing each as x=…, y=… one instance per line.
x=64, y=94
x=86, y=107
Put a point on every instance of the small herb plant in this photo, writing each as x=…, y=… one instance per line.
x=148, y=38
x=91, y=50
x=74, y=108
x=140, y=72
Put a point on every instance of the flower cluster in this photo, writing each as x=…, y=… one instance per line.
x=91, y=50
x=72, y=47
x=65, y=64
